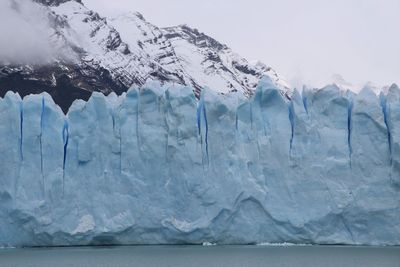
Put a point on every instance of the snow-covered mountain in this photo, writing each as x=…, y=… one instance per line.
x=95, y=53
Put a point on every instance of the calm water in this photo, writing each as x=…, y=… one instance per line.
x=231, y=256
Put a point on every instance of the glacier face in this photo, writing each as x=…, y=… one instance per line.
x=156, y=166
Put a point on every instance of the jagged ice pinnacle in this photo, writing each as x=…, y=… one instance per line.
x=156, y=166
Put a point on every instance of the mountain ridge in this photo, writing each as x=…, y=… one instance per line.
x=96, y=53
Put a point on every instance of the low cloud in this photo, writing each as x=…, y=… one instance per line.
x=25, y=33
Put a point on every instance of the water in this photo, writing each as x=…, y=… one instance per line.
x=193, y=256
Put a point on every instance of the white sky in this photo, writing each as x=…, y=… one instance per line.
x=307, y=41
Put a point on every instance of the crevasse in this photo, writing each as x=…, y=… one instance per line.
x=156, y=166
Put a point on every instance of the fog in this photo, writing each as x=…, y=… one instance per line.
x=25, y=34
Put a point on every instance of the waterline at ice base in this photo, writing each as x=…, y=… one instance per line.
x=157, y=166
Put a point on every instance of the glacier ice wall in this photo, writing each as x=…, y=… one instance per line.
x=156, y=166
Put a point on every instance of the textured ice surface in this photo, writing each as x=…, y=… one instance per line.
x=156, y=166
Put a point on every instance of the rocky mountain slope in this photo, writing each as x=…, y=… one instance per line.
x=95, y=53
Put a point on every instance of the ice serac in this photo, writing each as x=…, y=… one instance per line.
x=392, y=112
x=320, y=158
x=157, y=166
x=10, y=154
x=370, y=169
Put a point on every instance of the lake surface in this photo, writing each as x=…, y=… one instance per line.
x=176, y=256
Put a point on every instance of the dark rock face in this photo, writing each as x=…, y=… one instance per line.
x=197, y=38
x=64, y=83
x=54, y=2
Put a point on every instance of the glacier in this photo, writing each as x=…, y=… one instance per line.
x=157, y=166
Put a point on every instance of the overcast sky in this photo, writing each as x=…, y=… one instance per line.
x=307, y=41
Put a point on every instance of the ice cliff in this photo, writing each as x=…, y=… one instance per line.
x=156, y=166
